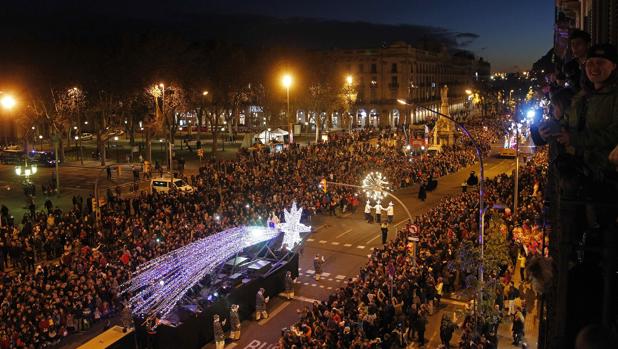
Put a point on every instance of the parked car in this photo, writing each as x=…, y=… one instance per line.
x=43, y=158
x=165, y=184
x=86, y=136
x=507, y=153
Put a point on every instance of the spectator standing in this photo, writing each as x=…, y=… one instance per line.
x=318, y=261
x=217, y=327
x=260, y=305
x=234, y=323
x=289, y=285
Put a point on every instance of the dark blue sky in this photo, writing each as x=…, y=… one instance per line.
x=512, y=34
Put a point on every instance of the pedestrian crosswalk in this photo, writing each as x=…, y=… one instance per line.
x=309, y=274
x=337, y=243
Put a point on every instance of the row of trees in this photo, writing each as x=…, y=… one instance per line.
x=140, y=83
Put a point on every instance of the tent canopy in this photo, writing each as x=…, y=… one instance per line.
x=277, y=134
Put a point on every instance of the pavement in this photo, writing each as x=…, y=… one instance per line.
x=346, y=241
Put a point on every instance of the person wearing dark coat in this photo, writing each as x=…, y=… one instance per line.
x=289, y=286
x=422, y=192
x=447, y=327
x=384, y=230
x=260, y=305
x=234, y=323
x=217, y=327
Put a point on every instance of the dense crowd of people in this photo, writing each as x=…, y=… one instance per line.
x=388, y=304
x=83, y=262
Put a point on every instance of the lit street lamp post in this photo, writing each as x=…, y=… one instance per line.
x=8, y=102
x=481, y=190
x=287, y=82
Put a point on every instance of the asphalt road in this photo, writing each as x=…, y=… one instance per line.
x=346, y=241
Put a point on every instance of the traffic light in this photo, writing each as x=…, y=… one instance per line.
x=323, y=185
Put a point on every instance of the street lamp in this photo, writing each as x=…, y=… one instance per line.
x=349, y=80
x=116, y=144
x=286, y=81
x=26, y=171
x=479, y=154
x=8, y=102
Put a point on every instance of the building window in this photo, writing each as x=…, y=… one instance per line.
x=394, y=68
x=394, y=83
x=374, y=68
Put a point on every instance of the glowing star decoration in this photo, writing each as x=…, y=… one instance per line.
x=292, y=227
x=375, y=186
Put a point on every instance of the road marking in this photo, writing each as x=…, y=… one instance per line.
x=334, y=243
x=310, y=239
x=322, y=241
x=310, y=271
x=313, y=285
x=345, y=232
x=377, y=236
x=321, y=286
x=306, y=284
x=405, y=220
x=320, y=227
x=337, y=280
x=360, y=246
x=340, y=277
x=329, y=288
x=305, y=299
x=325, y=275
x=330, y=279
x=274, y=313
x=347, y=245
x=373, y=248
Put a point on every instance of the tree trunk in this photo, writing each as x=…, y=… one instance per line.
x=318, y=125
x=214, y=139
x=101, y=148
x=132, y=135
x=61, y=149
x=148, y=144
x=199, y=113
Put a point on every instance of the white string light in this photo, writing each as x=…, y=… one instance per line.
x=159, y=284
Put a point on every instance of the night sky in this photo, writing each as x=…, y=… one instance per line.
x=511, y=35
